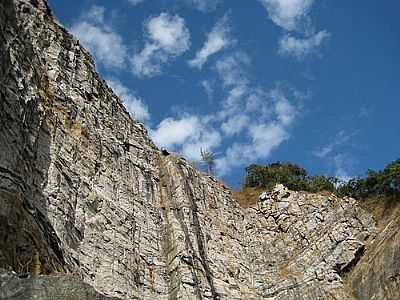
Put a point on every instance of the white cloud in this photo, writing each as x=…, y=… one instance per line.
x=287, y=14
x=137, y=109
x=235, y=124
x=218, y=39
x=264, y=139
x=292, y=15
x=292, y=46
x=186, y=135
x=167, y=37
x=106, y=45
x=135, y=2
x=169, y=33
x=171, y=132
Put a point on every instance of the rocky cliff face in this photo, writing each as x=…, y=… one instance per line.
x=84, y=188
x=377, y=275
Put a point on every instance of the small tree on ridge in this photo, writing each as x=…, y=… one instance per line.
x=208, y=158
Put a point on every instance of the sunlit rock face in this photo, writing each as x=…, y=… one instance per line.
x=83, y=187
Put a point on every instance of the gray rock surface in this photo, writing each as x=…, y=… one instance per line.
x=83, y=186
x=61, y=287
x=377, y=275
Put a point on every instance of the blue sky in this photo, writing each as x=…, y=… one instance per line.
x=256, y=81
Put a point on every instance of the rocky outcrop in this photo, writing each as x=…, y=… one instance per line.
x=83, y=188
x=309, y=242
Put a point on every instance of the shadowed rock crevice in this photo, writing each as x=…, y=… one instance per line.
x=343, y=270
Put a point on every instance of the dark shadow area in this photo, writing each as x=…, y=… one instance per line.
x=25, y=230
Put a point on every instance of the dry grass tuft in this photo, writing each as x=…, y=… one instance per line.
x=381, y=209
x=248, y=197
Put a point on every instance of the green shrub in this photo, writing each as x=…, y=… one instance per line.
x=377, y=184
x=385, y=183
x=289, y=174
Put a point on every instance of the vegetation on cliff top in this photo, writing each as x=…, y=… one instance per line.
x=376, y=184
x=289, y=174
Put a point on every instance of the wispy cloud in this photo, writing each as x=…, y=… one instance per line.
x=335, y=154
x=208, y=88
x=218, y=39
x=166, y=38
x=232, y=72
x=300, y=48
x=235, y=124
x=135, y=106
x=340, y=139
x=263, y=117
x=284, y=110
x=204, y=5
x=342, y=164
x=106, y=44
x=232, y=69
x=265, y=130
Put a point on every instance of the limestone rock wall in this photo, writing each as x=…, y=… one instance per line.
x=83, y=187
x=77, y=174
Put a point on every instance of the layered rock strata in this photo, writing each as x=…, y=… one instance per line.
x=84, y=188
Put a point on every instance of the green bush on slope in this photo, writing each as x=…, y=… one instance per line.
x=376, y=184
x=289, y=174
